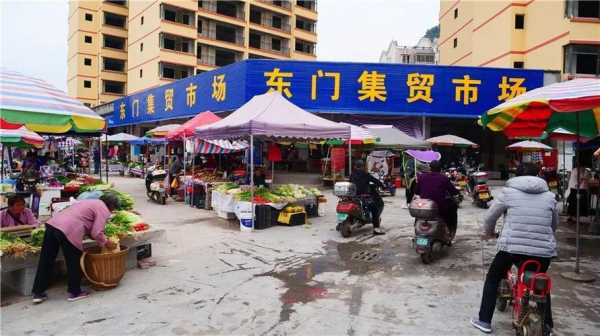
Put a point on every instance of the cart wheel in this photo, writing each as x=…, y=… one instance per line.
x=346, y=228
x=427, y=258
x=501, y=304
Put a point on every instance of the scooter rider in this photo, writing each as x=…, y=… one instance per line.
x=438, y=188
x=530, y=219
x=363, y=181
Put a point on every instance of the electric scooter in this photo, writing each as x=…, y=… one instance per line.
x=352, y=210
x=527, y=289
x=431, y=231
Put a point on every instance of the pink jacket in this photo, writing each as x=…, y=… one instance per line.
x=87, y=217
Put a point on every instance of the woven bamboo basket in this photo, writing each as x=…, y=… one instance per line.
x=104, y=270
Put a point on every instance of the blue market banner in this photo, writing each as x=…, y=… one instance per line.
x=332, y=87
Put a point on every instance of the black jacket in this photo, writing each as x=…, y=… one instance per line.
x=362, y=179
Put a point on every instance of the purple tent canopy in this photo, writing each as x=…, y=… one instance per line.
x=424, y=156
x=271, y=115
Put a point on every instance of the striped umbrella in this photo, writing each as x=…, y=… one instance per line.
x=39, y=106
x=548, y=108
x=572, y=105
x=20, y=137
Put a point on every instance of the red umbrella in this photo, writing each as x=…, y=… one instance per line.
x=188, y=128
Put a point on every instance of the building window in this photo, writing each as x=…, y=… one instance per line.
x=88, y=39
x=255, y=41
x=142, y=21
x=173, y=71
x=455, y=42
x=582, y=59
x=518, y=65
x=406, y=59
x=305, y=47
x=113, y=64
x=141, y=73
x=89, y=17
x=276, y=22
x=455, y=13
x=114, y=20
x=519, y=21
x=276, y=44
x=114, y=42
x=87, y=84
x=142, y=46
x=199, y=26
x=114, y=87
x=87, y=61
x=583, y=9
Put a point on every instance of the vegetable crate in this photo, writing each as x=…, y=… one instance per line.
x=292, y=215
x=266, y=216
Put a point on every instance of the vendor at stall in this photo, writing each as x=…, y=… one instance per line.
x=17, y=216
x=260, y=178
x=66, y=231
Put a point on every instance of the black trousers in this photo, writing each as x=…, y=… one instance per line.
x=375, y=205
x=584, y=203
x=501, y=264
x=450, y=216
x=53, y=240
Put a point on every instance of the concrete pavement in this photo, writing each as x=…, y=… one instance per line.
x=213, y=279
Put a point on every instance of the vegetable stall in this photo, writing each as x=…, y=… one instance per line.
x=259, y=121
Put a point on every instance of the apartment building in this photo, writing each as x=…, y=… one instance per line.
x=425, y=52
x=560, y=35
x=122, y=47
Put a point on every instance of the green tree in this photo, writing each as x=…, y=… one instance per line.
x=433, y=32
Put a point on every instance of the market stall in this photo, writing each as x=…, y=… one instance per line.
x=334, y=165
x=117, y=165
x=261, y=119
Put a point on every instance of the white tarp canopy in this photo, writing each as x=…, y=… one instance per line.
x=391, y=137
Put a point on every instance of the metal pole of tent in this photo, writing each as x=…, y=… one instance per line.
x=193, y=169
x=2, y=164
x=184, y=166
x=106, y=171
x=349, y=158
x=578, y=231
x=100, y=158
x=564, y=176
x=252, y=177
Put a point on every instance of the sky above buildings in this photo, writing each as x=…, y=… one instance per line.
x=33, y=34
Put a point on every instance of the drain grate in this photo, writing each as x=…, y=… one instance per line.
x=366, y=256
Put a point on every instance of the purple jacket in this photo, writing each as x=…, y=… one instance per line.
x=436, y=187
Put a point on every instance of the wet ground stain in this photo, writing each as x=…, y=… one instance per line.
x=358, y=257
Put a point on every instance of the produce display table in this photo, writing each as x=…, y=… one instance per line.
x=136, y=171
x=19, y=273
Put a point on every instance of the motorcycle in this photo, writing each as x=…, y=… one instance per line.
x=431, y=231
x=352, y=210
x=459, y=181
x=389, y=185
x=527, y=289
x=155, y=185
x=551, y=176
x=479, y=189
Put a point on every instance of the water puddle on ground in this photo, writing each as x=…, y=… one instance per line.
x=298, y=273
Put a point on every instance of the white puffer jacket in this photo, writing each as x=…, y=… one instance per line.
x=530, y=217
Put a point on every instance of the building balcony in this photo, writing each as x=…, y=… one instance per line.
x=306, y=36
x=284, y=8
x=237, y=46
x=269, y=53
x=240, y=22
x=230, y=9
x=270, y=30
x=114, y=31
x=178, y=29
x=177, y=57
x=112, y=7
x=118, y=76
x=114, y=53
